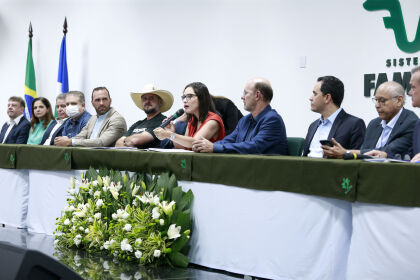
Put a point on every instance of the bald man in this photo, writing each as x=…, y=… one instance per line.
x=260, y=132
x=391, y=133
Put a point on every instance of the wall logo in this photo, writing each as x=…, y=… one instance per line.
x=395, y=22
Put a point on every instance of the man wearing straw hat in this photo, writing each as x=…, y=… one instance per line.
x=153, y=102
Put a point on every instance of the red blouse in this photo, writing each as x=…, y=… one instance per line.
x=192, y=130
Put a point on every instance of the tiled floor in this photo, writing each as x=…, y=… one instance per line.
x=104, y=268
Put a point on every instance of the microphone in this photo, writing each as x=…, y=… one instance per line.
x=355, y=156
x=173, y=117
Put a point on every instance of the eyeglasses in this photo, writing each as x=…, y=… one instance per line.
x=382, y=100
x=187, y=97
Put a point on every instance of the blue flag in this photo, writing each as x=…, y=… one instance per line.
x=63, y=77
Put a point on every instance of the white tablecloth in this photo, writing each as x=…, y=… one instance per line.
x=270, y=234
x=385, y=242
x=14, y=195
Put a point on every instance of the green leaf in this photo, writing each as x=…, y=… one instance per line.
x=179, y=259
x=184, y=220
x=179, y=243
x=177, y=195
x=117, y=177
x=104, y=172
x=91, y=174
x=163, y=184
x=186, y=201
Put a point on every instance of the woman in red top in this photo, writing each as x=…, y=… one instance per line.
x=203, y=121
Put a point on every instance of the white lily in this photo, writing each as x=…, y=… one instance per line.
x=135, y=190
x=167, y=208
x=155, y=213
x=173, y=231
x=99, y=203
x=156, y=253
x=138, y=254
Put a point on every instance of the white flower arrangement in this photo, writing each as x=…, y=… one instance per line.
x=139, y=218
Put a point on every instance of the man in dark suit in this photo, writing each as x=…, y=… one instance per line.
x=415, y=98
x=16, y=130
x=56, y=130
x=391, y=132
x=328, y=93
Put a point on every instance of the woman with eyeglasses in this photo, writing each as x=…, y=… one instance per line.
x=42, y=118
x=203, y=121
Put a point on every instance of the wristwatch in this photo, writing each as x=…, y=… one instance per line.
x=172, y=136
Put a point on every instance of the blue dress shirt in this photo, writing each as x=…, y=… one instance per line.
x=73, y=127
x=268, y=136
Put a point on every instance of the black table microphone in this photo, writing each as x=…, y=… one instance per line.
x=173, y=117
x=355, y=156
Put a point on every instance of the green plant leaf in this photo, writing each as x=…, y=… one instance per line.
x=179, y=259
x=177, y=195
x=186, y=201
x=91, y=174
x=184, y=220
x=179, y=243
x=163, y=184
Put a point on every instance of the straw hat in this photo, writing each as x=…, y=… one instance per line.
x=166, y=96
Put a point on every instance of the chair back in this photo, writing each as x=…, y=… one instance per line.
x=295, y=145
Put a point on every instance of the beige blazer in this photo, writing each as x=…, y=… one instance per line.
x=113, y=127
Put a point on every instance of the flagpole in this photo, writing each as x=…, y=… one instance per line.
x=30, y=84
x=65, y=26
x=63, y=82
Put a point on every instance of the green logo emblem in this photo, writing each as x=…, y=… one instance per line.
x=395, y=22
x=346, y=185
x=12, y=158
x=183, y=163
x=66, y=156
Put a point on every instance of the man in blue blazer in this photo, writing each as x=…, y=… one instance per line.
x=415, y=98
x=261, y=132
x=16, y=129
x=391, y=132
x=327, y=95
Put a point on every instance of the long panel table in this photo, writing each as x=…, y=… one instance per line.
x=267, y=216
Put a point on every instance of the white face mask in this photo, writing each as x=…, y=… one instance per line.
x=72, y=110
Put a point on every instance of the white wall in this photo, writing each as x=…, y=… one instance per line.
x=127, y=44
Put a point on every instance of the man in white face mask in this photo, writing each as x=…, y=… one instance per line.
x=56, y=130
x=78, y=116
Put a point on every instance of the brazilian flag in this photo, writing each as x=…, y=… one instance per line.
x=30, y=85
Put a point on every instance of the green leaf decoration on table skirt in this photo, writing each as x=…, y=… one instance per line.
x=346, y=185
x=66, y=156
x=12, y=158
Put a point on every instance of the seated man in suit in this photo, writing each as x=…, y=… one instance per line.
x=415, y=99
x=260, y=132
x=391, y=132
x=55, y=130
x=102, y=130
x=16, y=129
x=78, y=116
x=328, y=93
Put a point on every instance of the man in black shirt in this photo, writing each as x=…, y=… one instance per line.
x=153, y=102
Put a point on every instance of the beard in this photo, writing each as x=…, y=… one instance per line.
x=150, y=111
